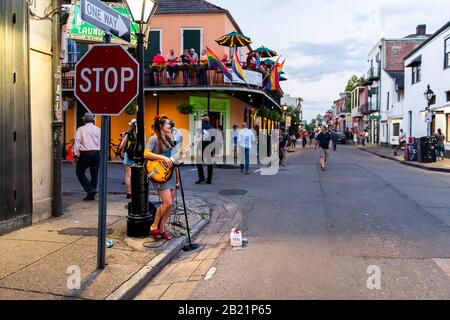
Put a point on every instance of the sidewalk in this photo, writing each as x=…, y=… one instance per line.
x=39, y=262
x=387, y=153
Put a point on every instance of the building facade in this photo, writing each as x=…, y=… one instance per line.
x=180, y=25
x=429, y=65
x=26, y=105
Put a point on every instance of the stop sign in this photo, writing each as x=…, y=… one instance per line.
x=106, y=80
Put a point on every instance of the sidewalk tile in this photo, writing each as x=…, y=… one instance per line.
x=210, y=252
x=153, y=292
x=180, y=291
x=204, y=267
x=17, y=254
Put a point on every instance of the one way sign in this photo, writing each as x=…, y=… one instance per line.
x=103, y=17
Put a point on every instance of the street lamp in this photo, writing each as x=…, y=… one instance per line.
x=285, y=108
x=139, y=216
x=429, y=94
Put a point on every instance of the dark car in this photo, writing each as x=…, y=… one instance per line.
x=342, y=138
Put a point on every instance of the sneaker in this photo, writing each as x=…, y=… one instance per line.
x=208, y=182
x=200, y=182
x=90, y=196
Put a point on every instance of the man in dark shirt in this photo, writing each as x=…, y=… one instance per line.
x=208, y=137
x=324, y=142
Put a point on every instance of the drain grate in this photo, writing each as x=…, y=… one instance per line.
x=233, y=192
x=88, y=232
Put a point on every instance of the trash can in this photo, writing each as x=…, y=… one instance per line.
x=412, y=149
x=427, y=149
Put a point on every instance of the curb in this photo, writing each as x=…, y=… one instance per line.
x=411, y=164
x=131, y=287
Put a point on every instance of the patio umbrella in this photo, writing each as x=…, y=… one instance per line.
x=268, y=61
x=233, y=40
x=266, y=53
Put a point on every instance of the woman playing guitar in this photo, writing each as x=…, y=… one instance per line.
x=160, y=147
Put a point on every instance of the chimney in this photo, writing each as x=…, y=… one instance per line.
x=421, y=30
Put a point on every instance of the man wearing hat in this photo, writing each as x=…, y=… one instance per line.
x=208, y=136
x=86, y=152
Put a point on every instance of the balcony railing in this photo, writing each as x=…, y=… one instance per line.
x=183, y=76
x=373, y=74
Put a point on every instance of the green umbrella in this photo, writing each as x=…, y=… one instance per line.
x=233, y=40
x=266, y=53
x=268, y=61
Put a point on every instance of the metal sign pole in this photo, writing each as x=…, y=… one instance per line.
x=102, y=213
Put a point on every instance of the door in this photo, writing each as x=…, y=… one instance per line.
x=153, y=46
x=15, y=146
x=192, y=39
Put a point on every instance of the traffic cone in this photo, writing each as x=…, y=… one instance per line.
x=69, y=153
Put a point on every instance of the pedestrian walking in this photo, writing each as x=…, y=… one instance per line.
x=87, y=155
x=304, y=136
x=355, y=138
x=235, y=135
x=323, y=141
x=246, y=140
x=312, y=136
x=129, y=145
x=440, y=144
x=208, y=137
x=284, y=144
x=334, y=139
x=160, y=147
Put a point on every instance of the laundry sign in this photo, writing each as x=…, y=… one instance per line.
x=82, y=31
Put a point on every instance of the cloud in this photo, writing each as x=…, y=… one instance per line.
x=329, y=58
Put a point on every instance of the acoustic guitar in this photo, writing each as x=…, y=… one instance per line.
x=158, y=170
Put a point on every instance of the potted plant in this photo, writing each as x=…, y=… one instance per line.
x=132, y=108
x=185, y=108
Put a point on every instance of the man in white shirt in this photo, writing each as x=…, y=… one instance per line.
x=246, y=138
x=86, y=152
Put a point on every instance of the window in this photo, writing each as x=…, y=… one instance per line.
x=395, y=51
x=448, y=96
x=388, y=98
x=396, y=129
x=416, y=74
x=447, y=53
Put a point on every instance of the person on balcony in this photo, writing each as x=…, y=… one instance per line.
x=171, y=65
x=159, y=64
x=203, y=68
x=186, y=66
x=251, y=61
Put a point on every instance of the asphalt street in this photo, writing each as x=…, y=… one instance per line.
x=326, y=235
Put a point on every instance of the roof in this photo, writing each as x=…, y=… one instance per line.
x=187, y=6
x=192, y=7
x=399, y=77
x=436, y=34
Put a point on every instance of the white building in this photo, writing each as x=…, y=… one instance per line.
x=429, y=65
x=385, y=80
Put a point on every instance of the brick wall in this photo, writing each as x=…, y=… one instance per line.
x=396, y=51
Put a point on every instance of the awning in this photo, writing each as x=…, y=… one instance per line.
x=416, y=62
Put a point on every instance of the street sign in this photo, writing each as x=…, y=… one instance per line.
x=429, y=117
x=103, y=17
x=81, y=31
x=106, y=80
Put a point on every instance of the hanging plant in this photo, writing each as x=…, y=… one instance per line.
x=132, y=108
x=185, y=108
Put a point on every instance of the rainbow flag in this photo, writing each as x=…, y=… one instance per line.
x=237, y=68
x=281, y=66
x=273, y=83
x=215, y=63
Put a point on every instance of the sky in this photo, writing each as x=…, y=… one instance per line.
x=325, y=42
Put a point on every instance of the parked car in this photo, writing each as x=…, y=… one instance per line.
x=342, y=138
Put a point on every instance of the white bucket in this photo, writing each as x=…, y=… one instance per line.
x=236, y=238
